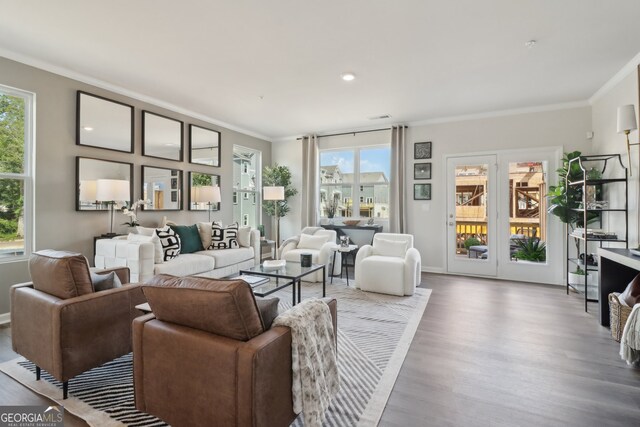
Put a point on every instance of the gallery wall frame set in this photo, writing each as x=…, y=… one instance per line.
x=109, y=125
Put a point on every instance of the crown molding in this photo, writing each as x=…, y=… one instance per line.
x=65, y=72
x=490, y=114
x=501, y=113
x=628, y=68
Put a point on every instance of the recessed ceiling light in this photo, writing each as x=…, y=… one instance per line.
x=347, y=77
x=531, y=43
x=88, y=128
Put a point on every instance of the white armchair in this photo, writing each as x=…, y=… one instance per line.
x=391, y=266
x=315, y=241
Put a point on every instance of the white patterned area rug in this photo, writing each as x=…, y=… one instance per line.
x=374, y=335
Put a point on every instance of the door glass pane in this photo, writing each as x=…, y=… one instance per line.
x=11, y=217
x=527, y=212
x=471, y=211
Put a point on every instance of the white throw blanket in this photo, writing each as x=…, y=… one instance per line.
x=630, y=342
x=313, y=355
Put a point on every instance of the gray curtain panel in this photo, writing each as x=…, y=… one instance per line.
x=310, y=159
x=397, y=190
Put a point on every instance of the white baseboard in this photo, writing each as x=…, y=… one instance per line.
x=433, y=270
x=5, y=318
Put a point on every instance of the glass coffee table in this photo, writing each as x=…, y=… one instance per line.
x=291, y=274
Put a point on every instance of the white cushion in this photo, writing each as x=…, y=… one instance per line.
x=186, y=265
x=244, y=236
x=308, y=241
x=226, y=257
x=158, y=254
x=390, y=248
x=382, y=274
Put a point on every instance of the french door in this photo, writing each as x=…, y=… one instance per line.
x=471, y=215
x=497, y=222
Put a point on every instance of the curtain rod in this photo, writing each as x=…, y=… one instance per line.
x=351, y=133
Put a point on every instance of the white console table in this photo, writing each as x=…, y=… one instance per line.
x=618, y=267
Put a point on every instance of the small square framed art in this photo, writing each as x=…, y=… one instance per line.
x=421, y=191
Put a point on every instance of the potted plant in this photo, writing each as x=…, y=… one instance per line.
x=278, y=176
x=261, y=230
x=577, y=277
x=565, y=199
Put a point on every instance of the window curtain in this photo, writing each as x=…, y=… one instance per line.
x=397, y=191
x=310, y=160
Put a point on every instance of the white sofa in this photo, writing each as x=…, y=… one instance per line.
x=139, y=257
x=321, y=254
x=391, y=266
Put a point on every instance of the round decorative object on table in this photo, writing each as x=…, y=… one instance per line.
x=305, y=260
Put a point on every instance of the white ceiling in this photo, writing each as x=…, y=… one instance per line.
x=414, y=59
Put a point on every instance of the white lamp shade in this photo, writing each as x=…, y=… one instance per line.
x=273, y=193
x=627, y=118
x=88, y=190
x=206, y=194
x=112, y=190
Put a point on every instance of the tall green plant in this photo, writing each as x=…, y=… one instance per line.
x=278, y=176
x=564, y=199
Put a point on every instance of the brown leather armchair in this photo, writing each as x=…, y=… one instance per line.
x=60, y=324
x=205, y=358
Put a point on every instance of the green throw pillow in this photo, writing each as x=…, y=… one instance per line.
x=189, y=238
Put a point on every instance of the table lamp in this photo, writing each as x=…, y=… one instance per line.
x=111, y=191
x=627, y=123
x=275, y=194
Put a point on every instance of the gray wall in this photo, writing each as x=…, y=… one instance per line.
x=57, y=224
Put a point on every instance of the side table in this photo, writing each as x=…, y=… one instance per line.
x=267, y=248
x=344, y=251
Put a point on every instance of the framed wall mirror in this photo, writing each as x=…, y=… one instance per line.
x=204, y=146
x=162, y=188
x=201, y=194
x=162, y=137
x=103, y=123
x=93, y=175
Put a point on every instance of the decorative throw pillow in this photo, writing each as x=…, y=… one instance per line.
x=102, y=282
x=244, y=236
x=308, y=241
x=268, y=310
x=224, y=238
x=386, y=247
x=189, y=238
x=631, y=295
x=204, y=229
x=170, y=242
x=158, y=253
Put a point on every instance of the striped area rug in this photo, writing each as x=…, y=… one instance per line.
x=374, y=335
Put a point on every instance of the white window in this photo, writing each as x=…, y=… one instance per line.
x=16, y=173
x=361, y=184
x=247, y=165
